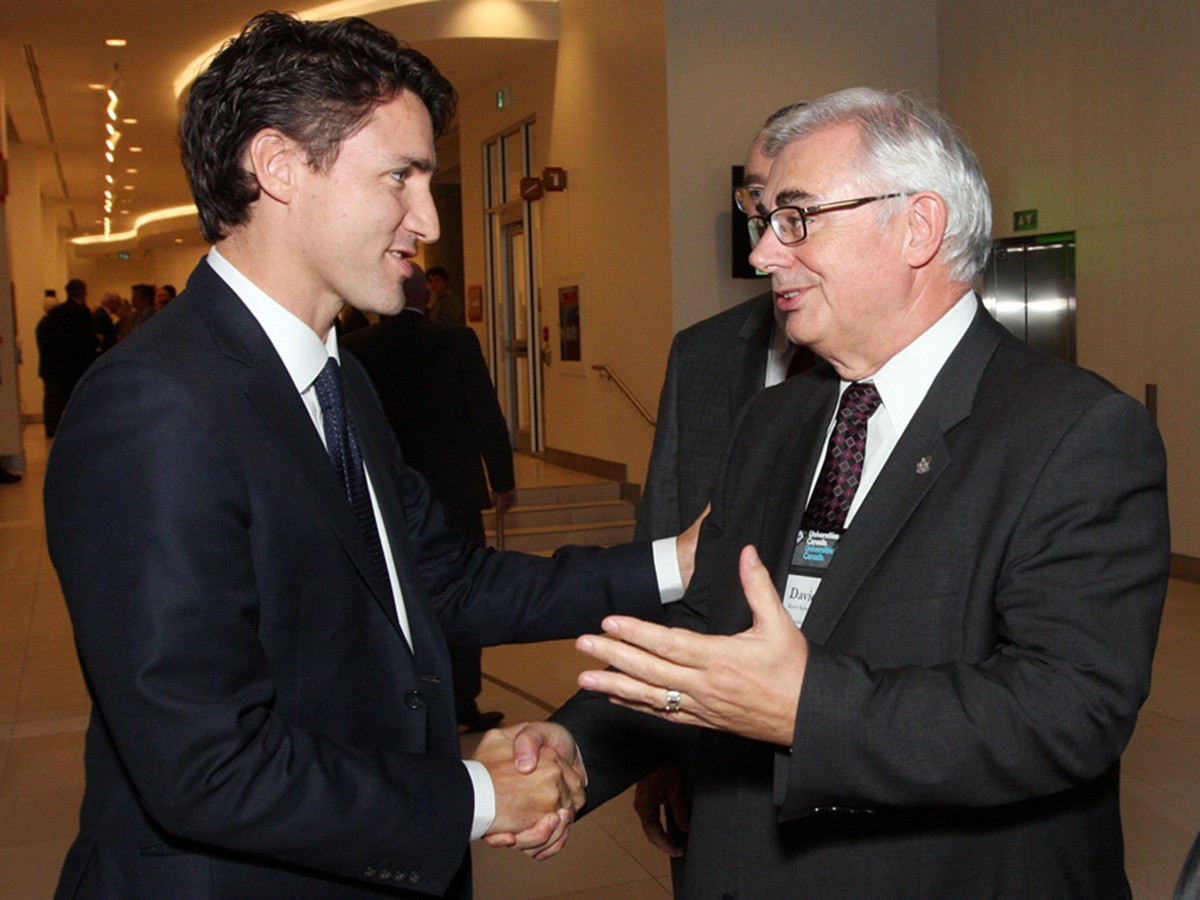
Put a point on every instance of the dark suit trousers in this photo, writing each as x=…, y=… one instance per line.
x=55, y=395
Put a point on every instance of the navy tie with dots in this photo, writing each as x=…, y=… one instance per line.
x=342, y=443
x=842, y=469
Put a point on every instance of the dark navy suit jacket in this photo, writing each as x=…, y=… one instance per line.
x=260, y=726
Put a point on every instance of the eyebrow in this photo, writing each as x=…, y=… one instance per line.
x=793, y=197
x=420, y=163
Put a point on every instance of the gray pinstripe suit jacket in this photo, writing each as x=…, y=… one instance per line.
x=715, y=366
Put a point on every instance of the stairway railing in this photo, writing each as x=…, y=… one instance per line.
x=610, y=375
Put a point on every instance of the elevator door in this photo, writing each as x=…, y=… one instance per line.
x=1029, y=287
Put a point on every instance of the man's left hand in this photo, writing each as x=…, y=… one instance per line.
x=748, y=684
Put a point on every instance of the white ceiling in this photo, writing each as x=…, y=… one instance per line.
x=61, y=45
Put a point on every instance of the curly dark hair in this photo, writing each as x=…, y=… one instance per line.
x=317, y=82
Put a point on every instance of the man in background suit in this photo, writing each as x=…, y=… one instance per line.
x=714, y=368
x=67, y=345
x=434, y=386
x=914, y=665
x=106, y=318
x=266, y=650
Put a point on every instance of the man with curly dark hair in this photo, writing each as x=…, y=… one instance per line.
x=273, y=709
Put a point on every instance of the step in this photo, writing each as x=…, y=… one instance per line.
x=551, y=537
x=529, y=516
x=589, y=491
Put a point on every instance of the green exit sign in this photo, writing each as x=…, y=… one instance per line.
x=1025, y=220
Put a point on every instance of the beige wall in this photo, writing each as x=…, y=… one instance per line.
x=10, y=418
x=1087, y=112
x=600, y=103
x=729, y=65
x=647, y=106
x=29, y=266
x=167, y=264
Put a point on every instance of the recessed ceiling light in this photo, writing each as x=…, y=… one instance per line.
x=129, y=121
x=135, y=149
x=179, y=240
x=131, y=171
x=115, y=42
x=129, y=187
x=97, y=87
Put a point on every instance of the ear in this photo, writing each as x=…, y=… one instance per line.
x=275, y=160
x=926, y=228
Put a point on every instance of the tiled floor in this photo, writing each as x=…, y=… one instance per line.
x=43, y=710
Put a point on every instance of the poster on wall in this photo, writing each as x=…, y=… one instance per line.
x=568, y=323
x=475, y=303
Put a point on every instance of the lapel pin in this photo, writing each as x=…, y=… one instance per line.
x=923, y=465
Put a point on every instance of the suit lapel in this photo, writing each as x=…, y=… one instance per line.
x=383, y=459
x=272, y=393
x=806, y=412
x=914, y=467
x=747, y=380
x=380, y=454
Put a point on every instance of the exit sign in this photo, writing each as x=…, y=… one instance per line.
x=1025, y=220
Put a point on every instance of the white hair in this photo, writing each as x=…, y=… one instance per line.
x=907, y=147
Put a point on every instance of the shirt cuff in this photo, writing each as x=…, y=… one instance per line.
x=485, y=798
x=666, y=568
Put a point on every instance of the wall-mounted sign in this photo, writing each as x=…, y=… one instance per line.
x=531, y=188
x=1025, y=220
x=568, y=323
x=475, y=303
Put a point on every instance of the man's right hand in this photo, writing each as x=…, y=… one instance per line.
x=534, y=802
x=662, y=806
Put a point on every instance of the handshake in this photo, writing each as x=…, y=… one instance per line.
x=539, y=779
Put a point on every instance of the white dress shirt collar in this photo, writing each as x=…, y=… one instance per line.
x=905, y=379
x=302, y=351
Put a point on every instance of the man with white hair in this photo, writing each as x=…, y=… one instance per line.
x=927, y=597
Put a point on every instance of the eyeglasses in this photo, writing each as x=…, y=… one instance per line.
x=747, y=198
x=790, y=223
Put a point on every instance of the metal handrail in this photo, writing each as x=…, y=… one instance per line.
x=607, y=373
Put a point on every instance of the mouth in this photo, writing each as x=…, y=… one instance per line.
x=402, y=257
x=787, y=301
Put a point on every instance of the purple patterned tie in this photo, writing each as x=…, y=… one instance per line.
x=342, y=443
x=840, y=474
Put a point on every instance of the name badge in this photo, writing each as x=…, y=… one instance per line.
x=811, y=557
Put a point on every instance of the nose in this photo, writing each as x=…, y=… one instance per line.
x=769, y=253
x=422, y=216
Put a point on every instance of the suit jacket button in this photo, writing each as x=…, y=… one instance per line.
x=400, y=877
x=414, y=877
x=369, y=872
x=414, y=700
x=385, y=874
